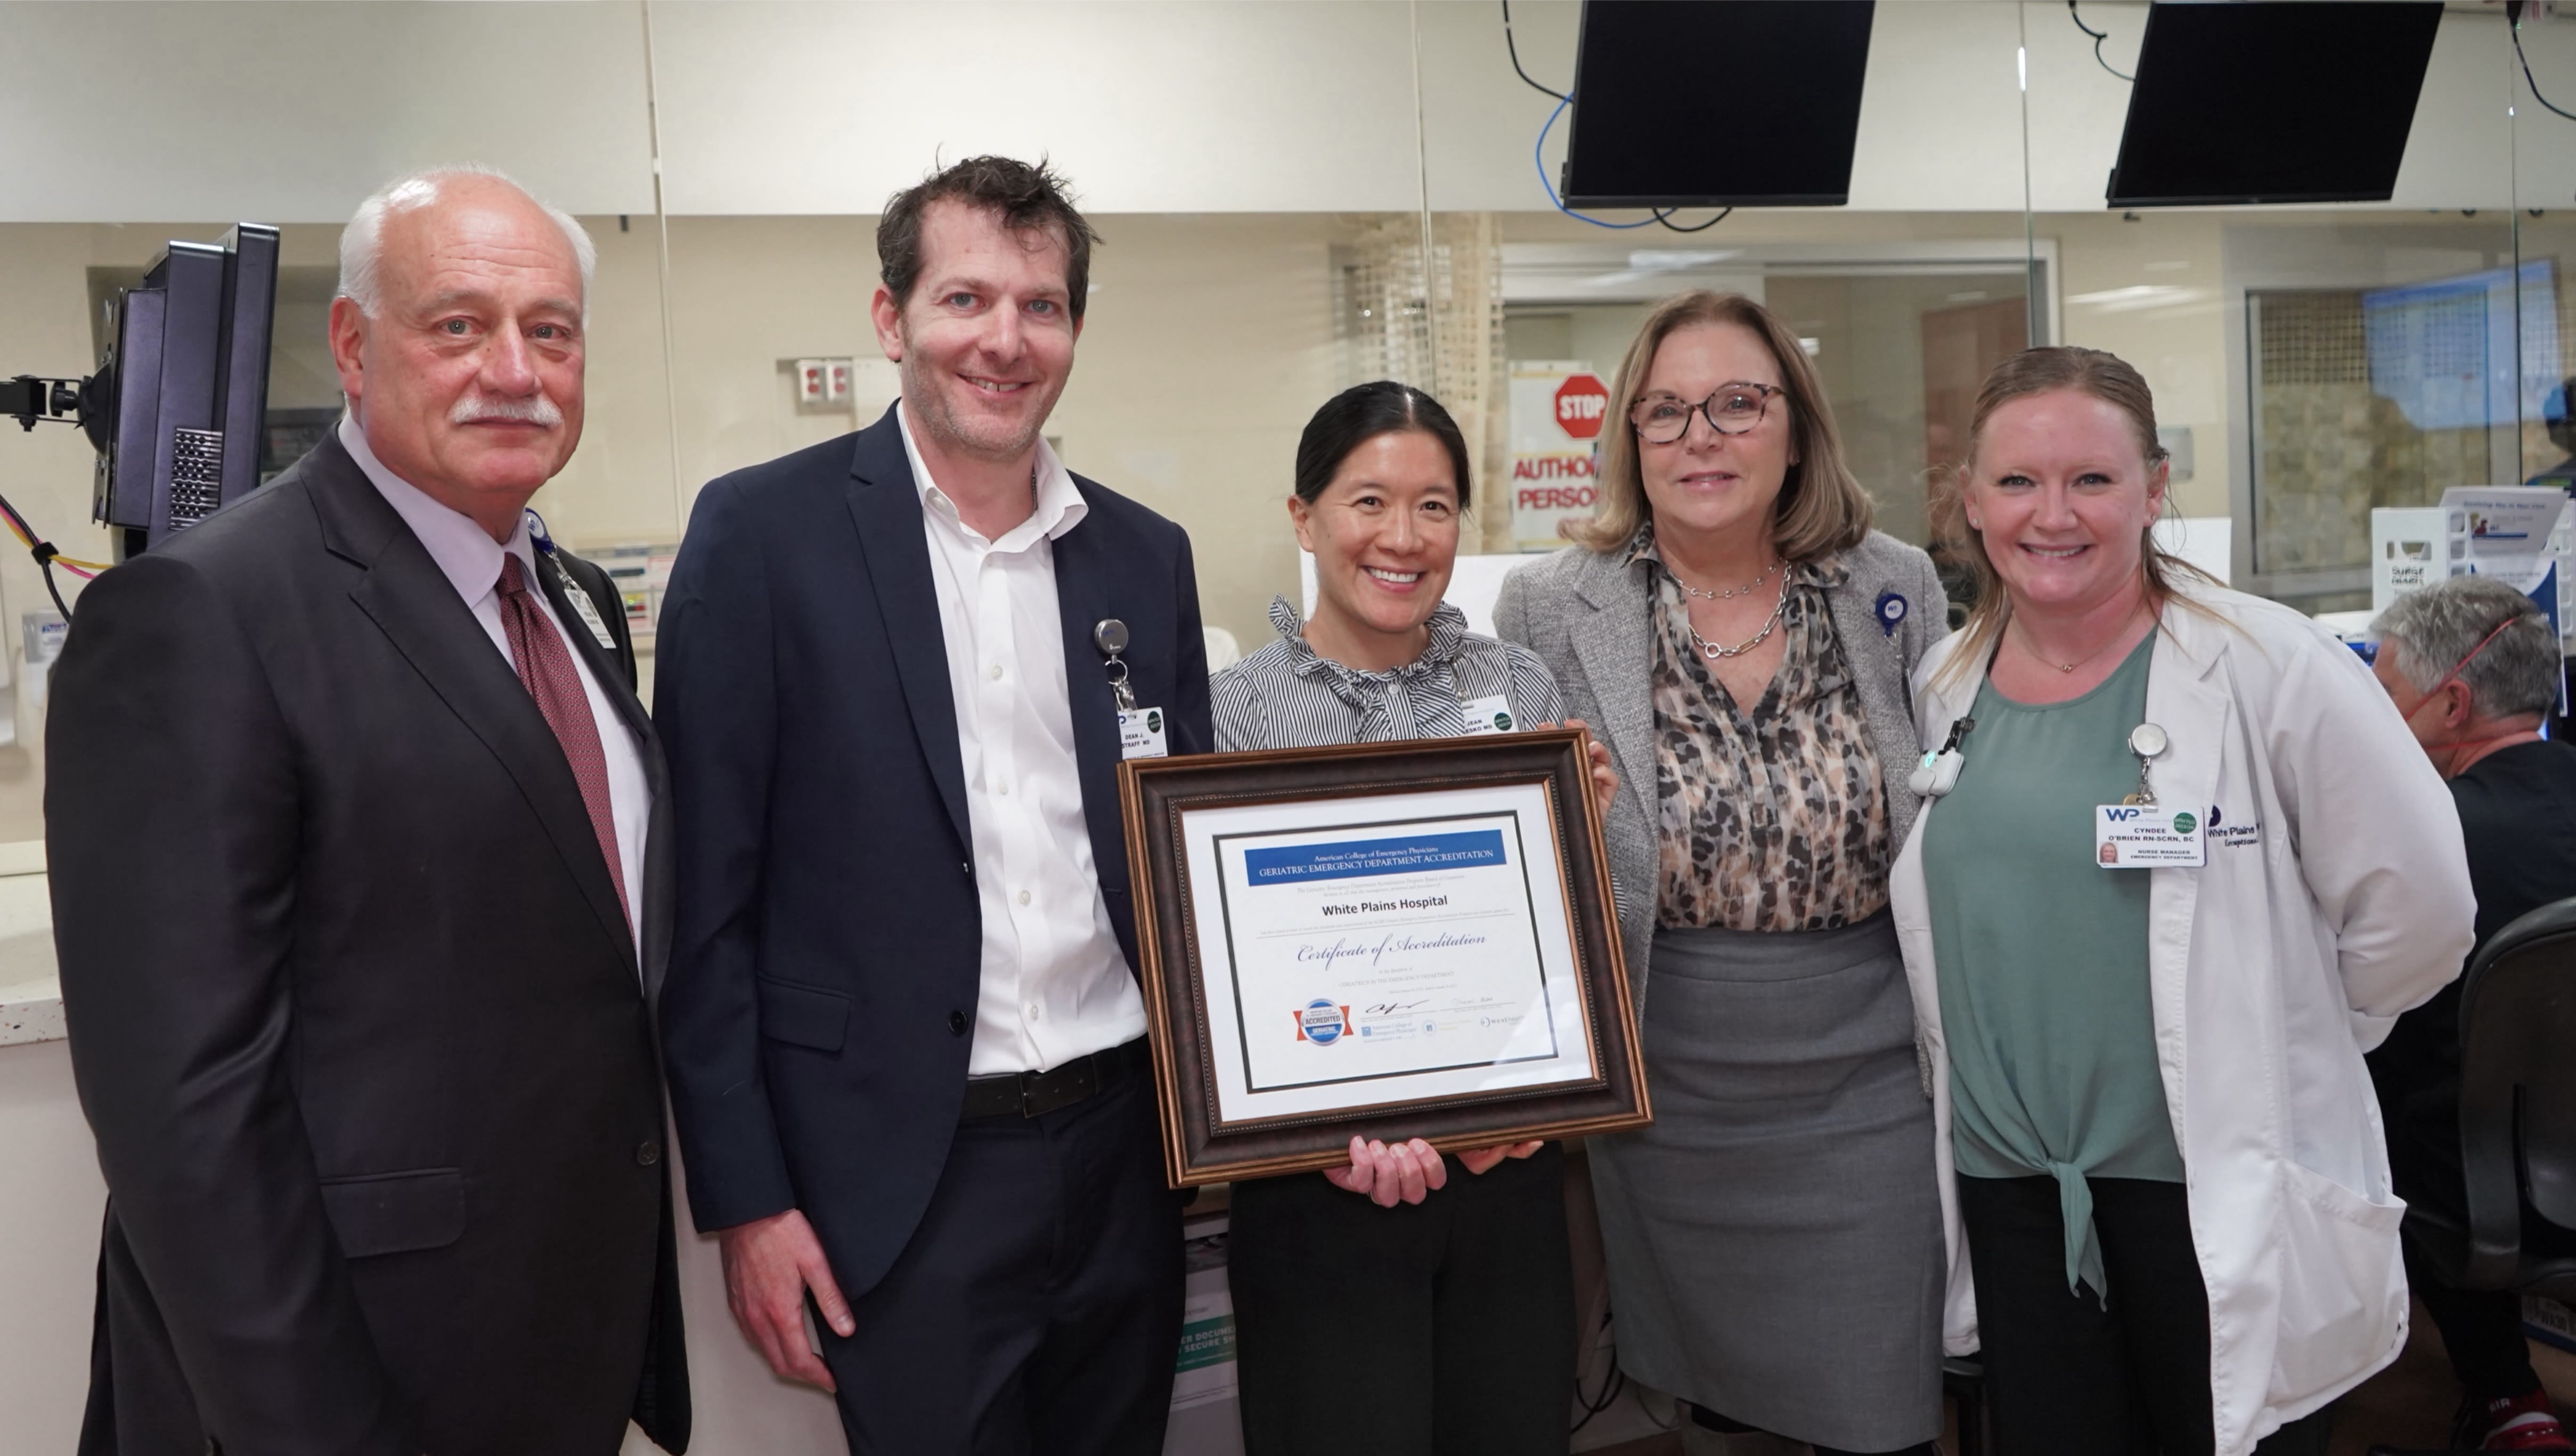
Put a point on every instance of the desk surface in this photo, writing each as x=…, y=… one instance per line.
x=31, y=997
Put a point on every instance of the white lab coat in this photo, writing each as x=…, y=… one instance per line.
x=2336, y=895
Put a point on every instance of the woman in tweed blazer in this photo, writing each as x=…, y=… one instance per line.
x=1743, y=641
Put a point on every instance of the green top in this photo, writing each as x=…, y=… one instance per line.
x=2041, y=955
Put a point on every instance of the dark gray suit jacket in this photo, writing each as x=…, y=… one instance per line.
x=354, y=1011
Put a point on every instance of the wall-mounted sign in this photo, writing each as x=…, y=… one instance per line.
x=1558, y=408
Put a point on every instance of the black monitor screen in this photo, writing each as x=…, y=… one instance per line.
x=1682, y=103
x=2273, y=101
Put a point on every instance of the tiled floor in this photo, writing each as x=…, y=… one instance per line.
x=2408, y=1405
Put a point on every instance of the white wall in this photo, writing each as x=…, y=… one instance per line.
x=52, y=1202
x=290, y=112
x=1148, y=105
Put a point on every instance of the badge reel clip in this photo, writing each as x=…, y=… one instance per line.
x=1938, y=773
x=1110, y=636
x=1140, y=730
x=2148, y=742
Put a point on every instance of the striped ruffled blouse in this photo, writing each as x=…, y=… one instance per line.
x=1285, y=696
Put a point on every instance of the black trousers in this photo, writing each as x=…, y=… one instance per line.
x=1037, y=1310
x=1443, y=1328
x=2066, y=1373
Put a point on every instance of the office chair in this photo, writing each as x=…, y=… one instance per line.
x=2517, y=1115
x=2517, y=1118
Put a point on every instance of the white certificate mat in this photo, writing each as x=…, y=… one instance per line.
x=1380, y=949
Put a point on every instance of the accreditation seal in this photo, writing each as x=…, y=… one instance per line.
x=1322, y=1022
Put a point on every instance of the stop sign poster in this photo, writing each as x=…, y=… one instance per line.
x=1559, y=408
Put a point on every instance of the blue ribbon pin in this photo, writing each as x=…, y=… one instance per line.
x=1891, y=611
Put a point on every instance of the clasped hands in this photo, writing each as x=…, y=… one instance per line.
x=1407, y=1171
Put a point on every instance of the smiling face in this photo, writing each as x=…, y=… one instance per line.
x=1706, y=483
x=2061, y=494
x=985, y=342
x=1385, y=536
x=468, y=380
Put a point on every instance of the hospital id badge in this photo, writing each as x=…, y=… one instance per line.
x=583, y=608
x=1140, y=733
x=1486, y=716
x=2147, y=837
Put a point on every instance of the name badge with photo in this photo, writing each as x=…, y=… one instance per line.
x=1489, y=715
x=1140, y=734
x=2147, y=837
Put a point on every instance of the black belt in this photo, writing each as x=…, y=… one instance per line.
x=1034, y=1094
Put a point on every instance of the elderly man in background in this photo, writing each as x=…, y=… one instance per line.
x=2474, y=667
x=359, y=890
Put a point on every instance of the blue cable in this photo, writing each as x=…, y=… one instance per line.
x=1538, y=158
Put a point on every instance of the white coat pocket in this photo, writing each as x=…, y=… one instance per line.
x=2343, y=1286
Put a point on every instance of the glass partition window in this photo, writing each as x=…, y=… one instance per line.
x=2388, y=366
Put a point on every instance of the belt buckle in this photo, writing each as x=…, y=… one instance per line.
x=1070, y=1084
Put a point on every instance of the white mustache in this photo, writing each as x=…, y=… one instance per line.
x=535, y=410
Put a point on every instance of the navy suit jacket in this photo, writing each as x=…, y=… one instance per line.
x=828, y=948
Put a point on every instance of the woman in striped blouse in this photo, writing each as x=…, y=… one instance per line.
x=1390, y=1307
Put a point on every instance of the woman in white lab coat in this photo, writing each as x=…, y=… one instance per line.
x=2182, y=868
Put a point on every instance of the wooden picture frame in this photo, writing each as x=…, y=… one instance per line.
x=1220, y=1121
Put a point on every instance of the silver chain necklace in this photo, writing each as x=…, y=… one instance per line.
x=1729, y=593
x=1769, y=624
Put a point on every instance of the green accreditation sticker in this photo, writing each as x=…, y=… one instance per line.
x=2184, y=823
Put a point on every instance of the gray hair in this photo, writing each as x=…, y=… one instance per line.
x=362, y=242
x=2432, y=629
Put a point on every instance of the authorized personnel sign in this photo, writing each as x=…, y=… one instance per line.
x=1558, y=409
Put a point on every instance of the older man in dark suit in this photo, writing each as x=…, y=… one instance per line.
x=360, y=888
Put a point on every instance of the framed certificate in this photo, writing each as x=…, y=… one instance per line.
x=1393, y=940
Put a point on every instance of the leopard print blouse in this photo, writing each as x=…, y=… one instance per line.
x=1771, y=820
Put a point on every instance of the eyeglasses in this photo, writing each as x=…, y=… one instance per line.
x=1660, y=419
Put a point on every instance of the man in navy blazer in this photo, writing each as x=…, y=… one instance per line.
x=902, y=1028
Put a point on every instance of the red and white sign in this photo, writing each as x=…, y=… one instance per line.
x=1582, y=402
x=1558, y=407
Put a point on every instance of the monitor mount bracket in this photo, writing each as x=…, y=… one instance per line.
x=31, y=398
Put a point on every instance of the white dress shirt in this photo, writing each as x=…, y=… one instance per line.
x=471, y=561
x=1055, y=985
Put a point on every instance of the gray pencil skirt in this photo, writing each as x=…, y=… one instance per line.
x=1774, y=1239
